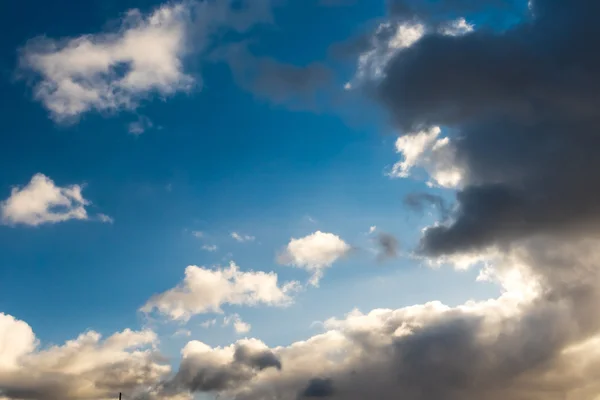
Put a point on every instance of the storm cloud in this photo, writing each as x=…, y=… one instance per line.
x=520, y=108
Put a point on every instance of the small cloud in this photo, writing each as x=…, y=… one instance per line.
x=239, y=326
x=105, y=218
x=372, y=229
x=242, y=238
x=140, y=126
x=208, y=323
x=198, y=234
x=314, y=253
x=182, y=333
x=389, y=247
x=311, y=219
x=41, y=201
x=210, y=247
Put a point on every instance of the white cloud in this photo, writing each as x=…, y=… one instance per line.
x=314, y=253
x=210, y=248
x=458, y=27
x=41, y=201
x=426, y=150
x=206, y=290
x=198, y=234
x=113, y=70
x=239, y=326
x=372, y=229
x=388, y=39
x=242, y=238
x=140, y=126
x=86, y=367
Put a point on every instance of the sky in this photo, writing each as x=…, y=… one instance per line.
x=285, y=199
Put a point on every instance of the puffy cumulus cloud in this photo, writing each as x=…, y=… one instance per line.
x=538, y=340
x=87, y=367
x=427, y=151
x=205, y=290
x=207, y=369
x=115, y=70
x=523, y=124
x=314, y=253
x=41, y=201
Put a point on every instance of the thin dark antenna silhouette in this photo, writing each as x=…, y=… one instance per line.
x=119, y=395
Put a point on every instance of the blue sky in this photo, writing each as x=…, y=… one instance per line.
x=222, y=161
x=226, y=154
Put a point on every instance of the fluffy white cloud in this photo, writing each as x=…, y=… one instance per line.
x=205, y=290
x=426, y=150
x=314, y=253
x=242, y=238
x=114, y=70
x=41, y=201
x=84, y=368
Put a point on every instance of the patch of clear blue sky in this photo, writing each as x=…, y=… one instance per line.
x=231, y=163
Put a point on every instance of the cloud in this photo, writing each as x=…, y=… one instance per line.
x=536, y=340
x=388, y=246
x=210, y=247
x=198, y=234
x=105, y=218
x=242, y=238
x=318, y=387
x=140, y=126
x=314, y=253
x=42, y=202
x=207, y=369
x=372, y=229
x=143, y=57
x=388, y=39
x=86, y=367
x=518, y=138
x=113, y=70
x=295, y=86
x=239, y=326
x=425, y=150
x=206, y=290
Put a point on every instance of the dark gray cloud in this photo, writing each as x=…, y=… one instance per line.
x=318, y=387
x=522, y=109
x=197, y=373
x=260, y=359
x=388, y=245
x=281, y=83
x=435, y=12
x=417, y=202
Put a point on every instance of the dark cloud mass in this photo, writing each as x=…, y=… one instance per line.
x=523, y=108
x=318, y=387
x=388, y=246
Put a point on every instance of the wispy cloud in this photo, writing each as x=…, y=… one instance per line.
x=242, y=238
